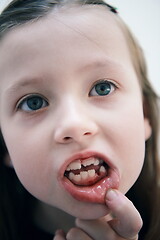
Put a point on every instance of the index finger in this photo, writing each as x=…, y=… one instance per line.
x=127, y=222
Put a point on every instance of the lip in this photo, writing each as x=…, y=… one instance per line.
x=96, y=192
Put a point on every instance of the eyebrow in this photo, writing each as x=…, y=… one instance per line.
x=22, y=83
x=35, y=81
x=101, y=63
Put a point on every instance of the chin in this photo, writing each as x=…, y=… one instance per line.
x=87, y=211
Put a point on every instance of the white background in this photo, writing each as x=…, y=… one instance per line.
x=143, y=17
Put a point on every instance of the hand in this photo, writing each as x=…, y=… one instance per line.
x=124, y=226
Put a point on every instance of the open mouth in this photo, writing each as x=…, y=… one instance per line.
x=86, y=172
x=87, y=177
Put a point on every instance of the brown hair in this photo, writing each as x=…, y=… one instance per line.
x=147, y=185
x=146, y=189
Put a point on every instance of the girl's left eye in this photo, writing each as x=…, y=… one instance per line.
x=102, y=88
x=32, y=103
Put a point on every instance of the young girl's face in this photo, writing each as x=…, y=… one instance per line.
x=71, y=109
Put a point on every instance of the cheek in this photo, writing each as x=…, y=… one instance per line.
x=132, y=153
x=125, y=134
x=34, y=166
x=131, y=142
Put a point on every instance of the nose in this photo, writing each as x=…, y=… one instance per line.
x=74, y=125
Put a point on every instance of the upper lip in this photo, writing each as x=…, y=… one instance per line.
x=85, y=155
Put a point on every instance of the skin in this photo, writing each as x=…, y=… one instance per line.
x=61, y=58
x=123, y=226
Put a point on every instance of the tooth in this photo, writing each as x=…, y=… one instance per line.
x=91, y=173
x=71, y=175
x=74, y=165
x=84, y=175
x=102, y=169
x=96, y=162
x=88, y=162
x=77, y=178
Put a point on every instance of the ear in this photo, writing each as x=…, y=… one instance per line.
x=147, y=124
x=147, y=128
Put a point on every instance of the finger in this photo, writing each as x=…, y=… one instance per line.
x=59, y=235
x=97, y=229
x=77, y=234
x=128, y=221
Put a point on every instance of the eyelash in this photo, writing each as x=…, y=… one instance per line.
x=23, y=104
x=111, y=87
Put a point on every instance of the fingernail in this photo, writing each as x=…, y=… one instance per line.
x=111, y=194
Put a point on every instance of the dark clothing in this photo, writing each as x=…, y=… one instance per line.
x=37, y=234
x=16, y=206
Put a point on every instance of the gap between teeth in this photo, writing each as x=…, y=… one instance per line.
x=87, y=162
x=85, y=174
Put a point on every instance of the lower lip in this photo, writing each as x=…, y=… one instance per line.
x=95, y=193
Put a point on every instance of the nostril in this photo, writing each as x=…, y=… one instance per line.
x=67, y=138
x=87, y=133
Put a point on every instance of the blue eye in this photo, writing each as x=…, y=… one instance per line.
x=32, y=103
x=102, y=88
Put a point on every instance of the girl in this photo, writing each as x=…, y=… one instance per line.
x=79, y=123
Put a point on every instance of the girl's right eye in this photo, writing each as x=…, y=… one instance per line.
x=32, y=103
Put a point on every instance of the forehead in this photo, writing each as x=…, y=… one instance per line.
x=84, y=21
x=70, y=29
